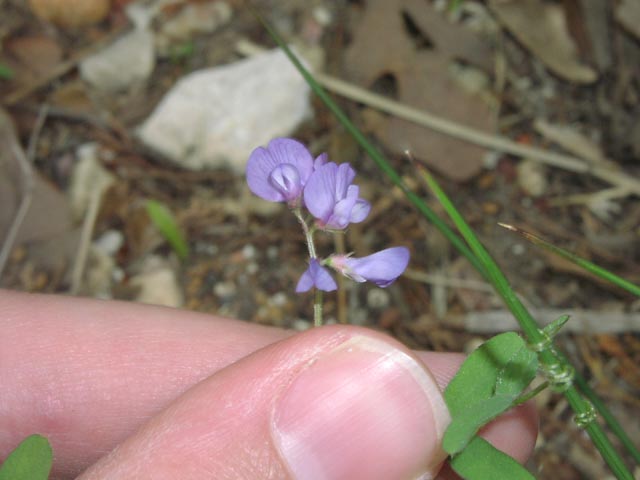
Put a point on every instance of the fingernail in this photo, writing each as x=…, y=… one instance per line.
x=362, y=410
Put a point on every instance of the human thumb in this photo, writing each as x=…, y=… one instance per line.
x=330, y=403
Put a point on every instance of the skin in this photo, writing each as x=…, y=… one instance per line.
x=151, y=382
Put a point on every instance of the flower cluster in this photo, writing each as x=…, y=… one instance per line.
x=285, y=171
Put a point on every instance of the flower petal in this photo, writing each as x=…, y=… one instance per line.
x=263, y=161
x=285, y=178
x=319, y=191
x=316, y=276
x=341, y=215
x=360, y=211
x=320, y=160
x=381, y=268
x=344, y=176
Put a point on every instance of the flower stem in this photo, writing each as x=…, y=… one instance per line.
x=317, y=309
x=308, y=234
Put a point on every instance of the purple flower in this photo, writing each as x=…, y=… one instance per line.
x=279, y=172
x=381, y=268
x=332, y=199
x=316, y=276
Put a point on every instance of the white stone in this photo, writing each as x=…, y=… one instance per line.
x=192, y=19
x=378, y=298
x=249, y=251
x=225, y=290
x=532, y=177
x=126, y=63
x=214, y=118
x=158, y=283
x=110, y=242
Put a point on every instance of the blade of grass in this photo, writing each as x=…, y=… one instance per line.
x=529, y=326
x=572, y=257
x=368, y=147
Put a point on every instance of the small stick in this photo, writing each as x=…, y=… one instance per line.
x=28, y=181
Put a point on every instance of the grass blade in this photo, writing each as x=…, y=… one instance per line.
x=166, y=223
x=572, y=257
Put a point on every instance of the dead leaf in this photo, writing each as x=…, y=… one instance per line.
x=413, y=60
x=35, y=55
x=49, y=213
x=628, y=15
x=71, y=14
x=542, y=28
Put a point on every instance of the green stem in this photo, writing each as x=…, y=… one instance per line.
x=598, y=437
x=308, y=235
x=608, y=417
x=529, y=395
x=550, y=360
x=317, y=309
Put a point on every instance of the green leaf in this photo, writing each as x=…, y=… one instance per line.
x=166, y=223
x=466, y=424
x=31, y=460
x=482, y=461
x=517, y=374
x=477, y=378
x=488, y=384
x=552, y=329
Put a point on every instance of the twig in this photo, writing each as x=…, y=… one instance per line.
x=448, y=281
x=85, y=240
x=28, y=181
x=582, y=321
x=627, y=184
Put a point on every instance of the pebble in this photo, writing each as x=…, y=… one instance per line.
x=532, y=177
x=126, y=63
x=377, y=298
x=249, y=252
x=159, y=287
x=224, y=290
x=215, y=118
x=110, y=242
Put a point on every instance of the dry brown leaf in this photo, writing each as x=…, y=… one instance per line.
x=33, y=55
x=49, y=213
x=410, y=42
x=628, y=15
x=71, y=14
x=542, y=28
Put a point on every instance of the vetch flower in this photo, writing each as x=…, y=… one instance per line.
x=279, y=172
x=381, y=268
x=316, y=276
x=332, y=199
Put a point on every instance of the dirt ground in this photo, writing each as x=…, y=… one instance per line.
x=555, y=150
